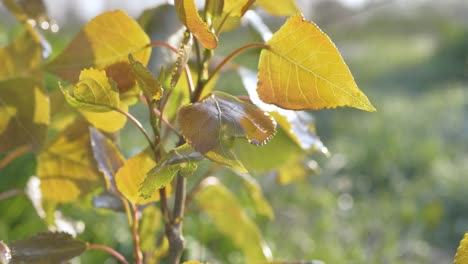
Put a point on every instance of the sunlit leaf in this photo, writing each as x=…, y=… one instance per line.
x=150, y=224
x=46, y=248
x=290, y=172
x=192, y=262
x=224, y=154
x=146, y=81
x=65, y=167
x=22, y=57
x=188, y=15
x=94, y=92
x=110, y=122
x=299, y=125
x=62, y=113
x=130, y=177
x=230, y=18
x=279, y=7
x=182, y=57
x=254, y=190
x=104, y=43
x=461, y=257
x=232, y=221
x=24, y=106
x=302, y=69
x=107, y=156
x=181, y=159
x=221, y=116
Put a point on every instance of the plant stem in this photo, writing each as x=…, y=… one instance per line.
x=10, y=193
x=14, y=154
x=234, y=54
x=164, y=207
x=136, y=236
x=109, y=250
x=174, y=231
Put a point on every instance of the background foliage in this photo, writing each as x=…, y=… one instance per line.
x=393, y=190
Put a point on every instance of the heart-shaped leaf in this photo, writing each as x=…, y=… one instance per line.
x=219, y=117
x=302, y=69
x=46, y=248
x=104, y=43
x=24, y=106
x=146, y=81
x=188, y=15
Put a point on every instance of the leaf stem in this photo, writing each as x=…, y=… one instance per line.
x=165, y=121
x=109, y=250
x=14, y=154
x=10, y=193
x=136, y=237
x=234, y=54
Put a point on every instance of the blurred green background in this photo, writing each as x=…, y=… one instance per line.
x=394, y=189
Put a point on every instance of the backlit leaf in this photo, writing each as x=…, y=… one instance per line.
x=224, y=154
x=302, y=69
x=66, y=167
x=255, y=192
x=94, y=92
x=461, y=257
x=221, y=116
x=104, y=43
x=130, y=177
x=24, y=106
x=233, y=10
x=107, y=156
x=46, y=248
x=279, y=7
x=110, y=122
x=188, y=15
x=146, y=81
x=22, y=57
x=299, y=125
x=231, y=220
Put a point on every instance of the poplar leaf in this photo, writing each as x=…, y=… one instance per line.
x=25, y=114
x=236, y=7
x=65, y=167
x=104, y=43
x=94, y=92
x=46, y=247
x=461, y=257
x=231, y=220
x=131, y=175
x=111, y=121
x=279, y=7
x=224, y=154
x=188, y=15
x=221, y=116
x=148, y=84
x=302, y=69
x=255, y=192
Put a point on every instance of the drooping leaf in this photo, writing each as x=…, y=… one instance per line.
x=111, y=121
x=302, y=69
x=299, y=125
x=94, y=92
x=188, y=15
x=182, y=159
x=130, y=177
x=221, y=116
x=104, y=43
x=46, y=248
x=108, y=157
x=66, y=167
x=146, y=81
x=22, y=57
x=231, y=220
x=279, y=7
x=255, y=192
x=24, y=106
x=461, y=257
x=183, y=55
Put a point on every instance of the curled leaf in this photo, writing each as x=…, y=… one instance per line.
x=188, y=15
x=146, y=81
x=182, y=57
x=302, y=69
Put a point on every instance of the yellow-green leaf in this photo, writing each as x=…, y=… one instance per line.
x=182, y=58
x=65, y=167
x=254, y=190
x=236, y=7
x=151, y=223
x=94, y=92
x=461, y=257
x=22, y=57
x=279, y=7
x=110, y=122
x=302, y=69
x=148, y=84
x=24, y=106
x=130, y=177
x=232, y=221
x=104, y=43
x=192, y=262
x=188, y=15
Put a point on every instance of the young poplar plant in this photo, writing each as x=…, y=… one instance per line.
x=194, y=130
